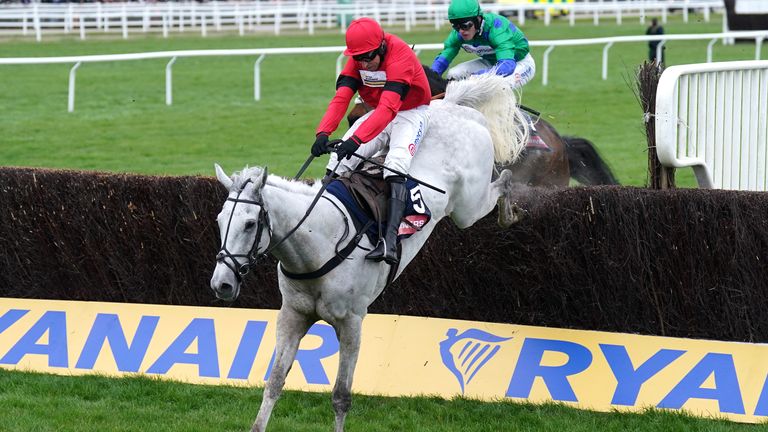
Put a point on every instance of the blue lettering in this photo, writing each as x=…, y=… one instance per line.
x=309, y=360
x=107, y=327
x=629, y=380
x=555, y=377
x=726, y=391
x=55, y=324
x=207, y=357
x=9, y=318
x=762, y=402
x=247, y=350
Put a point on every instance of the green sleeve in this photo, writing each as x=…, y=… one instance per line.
x=451, y=46
x=508, y=41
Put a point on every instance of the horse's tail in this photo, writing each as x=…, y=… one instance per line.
x=492, y=95
x=587, y=167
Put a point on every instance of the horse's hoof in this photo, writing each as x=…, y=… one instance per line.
x=510, y=213
x=517, y=213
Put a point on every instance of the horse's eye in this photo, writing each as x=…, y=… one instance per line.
x=249, y=225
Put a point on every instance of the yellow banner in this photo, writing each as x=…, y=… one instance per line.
x=400, y=356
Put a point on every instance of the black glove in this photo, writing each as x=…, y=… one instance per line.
x=320, y=147
x=346, y=148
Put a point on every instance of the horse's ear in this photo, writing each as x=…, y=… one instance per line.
x=264, y=177
x=223, y=177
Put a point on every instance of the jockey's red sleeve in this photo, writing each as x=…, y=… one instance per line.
x=336, y=110
x=386, y=110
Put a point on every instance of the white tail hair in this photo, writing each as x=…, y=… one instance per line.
x=494, y=97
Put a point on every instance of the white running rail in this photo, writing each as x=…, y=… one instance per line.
x=606, y=42
x=303, y=15
x=714, y=117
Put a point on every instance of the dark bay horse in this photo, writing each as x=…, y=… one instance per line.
x=567, y=157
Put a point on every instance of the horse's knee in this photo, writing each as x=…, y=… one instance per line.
x=509, y=211
x=342, y=400
x=503, y=182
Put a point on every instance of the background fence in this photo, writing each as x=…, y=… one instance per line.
x=303, y=15
x=714, y=118
x=261, y=53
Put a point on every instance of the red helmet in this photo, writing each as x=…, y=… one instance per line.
x=363, y=35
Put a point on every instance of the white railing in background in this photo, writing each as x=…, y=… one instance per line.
x=759, y=36
x=714, y=118
x=303, y=15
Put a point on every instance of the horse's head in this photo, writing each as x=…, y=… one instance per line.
x=244, y=228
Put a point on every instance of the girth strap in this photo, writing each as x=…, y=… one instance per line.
x=333, y=262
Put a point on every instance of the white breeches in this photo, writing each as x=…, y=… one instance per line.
x=524, y=71
x=403, y=134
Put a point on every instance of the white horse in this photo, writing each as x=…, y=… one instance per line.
x=457, y=155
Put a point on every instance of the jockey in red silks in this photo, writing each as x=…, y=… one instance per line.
x=388, y=76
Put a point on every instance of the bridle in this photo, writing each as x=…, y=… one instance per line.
x=253, y=255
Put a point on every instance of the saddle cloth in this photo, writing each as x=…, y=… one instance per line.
x=534, y=140
x=365, y=194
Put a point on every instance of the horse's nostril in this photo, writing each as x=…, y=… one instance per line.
x=226, y=288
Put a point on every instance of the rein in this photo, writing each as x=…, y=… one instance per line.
x=253, y=255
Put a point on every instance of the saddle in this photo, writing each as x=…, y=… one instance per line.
x=365, y=194
x=368, y=188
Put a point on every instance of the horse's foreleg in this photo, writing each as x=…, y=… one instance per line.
x=509, y=212
x=348, y=332
x=291, y=327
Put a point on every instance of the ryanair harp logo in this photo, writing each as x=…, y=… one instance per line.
x=464, y=354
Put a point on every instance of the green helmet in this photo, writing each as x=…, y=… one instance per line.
x=463, y=9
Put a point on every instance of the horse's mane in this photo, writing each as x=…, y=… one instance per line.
x=254, y=174
x=295, y=186
x=491, y=95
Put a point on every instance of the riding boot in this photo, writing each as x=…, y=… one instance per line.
x=386, y=249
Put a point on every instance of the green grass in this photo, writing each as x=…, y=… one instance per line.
x=122, y=124
x=38, y=402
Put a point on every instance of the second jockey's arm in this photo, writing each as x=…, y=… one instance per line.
x=505, y=67
x=440, y=64
x=450, y=50
x=506, y=55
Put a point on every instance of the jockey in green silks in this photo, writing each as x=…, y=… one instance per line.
x=499, y=44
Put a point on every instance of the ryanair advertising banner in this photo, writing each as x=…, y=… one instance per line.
x=400, y=356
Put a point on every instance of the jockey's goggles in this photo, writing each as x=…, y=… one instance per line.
x=366, y=57
x=463, y=25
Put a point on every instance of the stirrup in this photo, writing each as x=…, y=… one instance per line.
x=379, y=254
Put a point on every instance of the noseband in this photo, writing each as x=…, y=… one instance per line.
x=253, y=255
